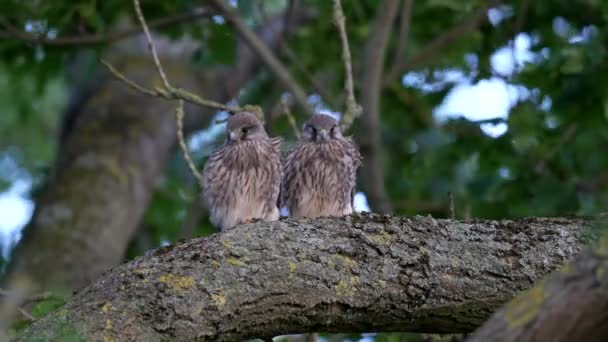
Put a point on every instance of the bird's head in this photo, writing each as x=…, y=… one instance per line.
x=321, y=128
x=244, y=126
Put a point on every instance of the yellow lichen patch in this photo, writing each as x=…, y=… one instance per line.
x=524, y=307
x=142, y=271
x=216, y=264
x=346, y=261
x=382, y=283
x=346, y=287
x=292, y=268
x=381, y=239
x=106, y=307
x=108, y=328
x=330, y=265
x=235, y=262
x=227, y=244
x=219, y=299
x=177, y=283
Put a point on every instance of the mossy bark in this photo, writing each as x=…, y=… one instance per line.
x=360, y=273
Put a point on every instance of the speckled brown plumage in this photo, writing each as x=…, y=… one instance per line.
x=243, y=177
x=320, y=172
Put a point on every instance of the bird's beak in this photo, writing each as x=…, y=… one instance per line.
x=323, y=135
x=235, y=135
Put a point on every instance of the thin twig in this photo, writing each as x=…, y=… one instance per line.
x=290, y=118
x=403, y=38
x=266, y=55
x=151, y=46
x=127, y=81
x=430, y=50
x=14, y=32
x=353, y=109
x=176, y=93
x=168, y=92
x=179, y=119
x=26, y=314
x=451, y=204
x=293, y=58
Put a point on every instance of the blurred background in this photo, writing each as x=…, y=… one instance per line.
x=503, y=104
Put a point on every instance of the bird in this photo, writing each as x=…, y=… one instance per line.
x=320, y=171
x=242, y=178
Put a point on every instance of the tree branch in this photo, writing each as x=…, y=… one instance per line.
x=403, y=37
x=293, y=58
x=370, y=137
x=266, y=55
x=151, y=47
x=356, y=273
x=432, y=49
x=95, y=39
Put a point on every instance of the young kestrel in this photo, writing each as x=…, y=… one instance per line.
x=243, y=177
x=320, y=172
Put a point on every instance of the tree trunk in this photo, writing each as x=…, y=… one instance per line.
x=112, y=157
x=111, y=161
x=361, y=273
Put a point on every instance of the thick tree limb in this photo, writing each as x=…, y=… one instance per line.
x=357, y=273
x=370, y=136
x=571, y=305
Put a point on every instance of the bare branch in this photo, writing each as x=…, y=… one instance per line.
x=293, y=59
x=430, y=50
x=272, y=62
x=151, y=46
x=403, y=38
x=353, y=109
x=451, y=205
x=95, y=39
x=127, y=81
x=176, y=93
x=179, y=119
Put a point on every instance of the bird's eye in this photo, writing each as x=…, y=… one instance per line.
x=245, y=130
